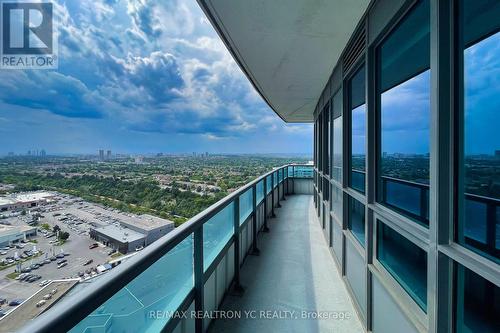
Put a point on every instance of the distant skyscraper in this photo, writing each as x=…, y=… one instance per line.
x=43, y=153
x=108, y=154
x=497, y=153
x=101, y=154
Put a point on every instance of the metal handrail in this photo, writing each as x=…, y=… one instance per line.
x=71, y=310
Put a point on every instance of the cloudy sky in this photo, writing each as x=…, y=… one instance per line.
x=140, y=76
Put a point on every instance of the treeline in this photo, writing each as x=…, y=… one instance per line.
x=138, y=197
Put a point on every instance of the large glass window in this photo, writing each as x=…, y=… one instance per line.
x=479, y=201
x=337, y=137
x=404, y=102
x=357, y=145
x=356, y=221
x=337, y=202
x=477, y=303
x=405, y=261
x=325, y=135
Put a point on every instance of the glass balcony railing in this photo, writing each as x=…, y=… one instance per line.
x=169, y=276
x=302, y=171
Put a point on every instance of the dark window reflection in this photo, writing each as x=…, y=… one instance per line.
x=356, y=222
x=477, y=303
x=404, y=97
x=358, y=130
x=405, y=261
x=479, y=223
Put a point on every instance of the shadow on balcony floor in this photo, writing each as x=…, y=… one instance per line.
x=295, y=273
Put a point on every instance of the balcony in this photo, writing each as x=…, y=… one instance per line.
x=231, y=257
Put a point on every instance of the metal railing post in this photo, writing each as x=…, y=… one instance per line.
x=283, y=182
x=237, y=288
x=199, y=283
x=272, y=196
x=293, y=180
x=255, y=250
x=266, y=227
x=278, y=187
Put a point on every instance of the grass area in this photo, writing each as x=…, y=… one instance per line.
x=12, y=275
x=116, y=255
x=2, y=267
x=34, y=241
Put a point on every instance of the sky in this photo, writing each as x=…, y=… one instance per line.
x=140, y=76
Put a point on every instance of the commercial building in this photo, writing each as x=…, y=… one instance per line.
x=27, y=200
x=406, y=241
x=132, y=232
x=119, y=238
x=10, y=234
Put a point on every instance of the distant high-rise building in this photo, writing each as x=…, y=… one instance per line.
x=43, y=153
x=497, y=153
x=101, y=154
x=108, y=154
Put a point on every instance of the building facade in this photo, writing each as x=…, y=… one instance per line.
x=408, y=201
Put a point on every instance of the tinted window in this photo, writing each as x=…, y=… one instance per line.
x=479, y=201
x=404, y=102
x=477, y=303
x=405, y=261
x=357, y=108
x=337, y=137
x=356, y=222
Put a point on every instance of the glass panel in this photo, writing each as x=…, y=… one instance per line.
x=358, y=130
x=268, y=184
x=304, y=172
x=216, y=233
x=404, y=93
x=478, y=303
x=275, y=178
x=479, y=223
x=259, y=188
x=337, y=150
x=246, y=205
x=328, y=133
x=337, y=202
x=161, y=287
x=280, y=175
x=405, y=261
x=356, y=222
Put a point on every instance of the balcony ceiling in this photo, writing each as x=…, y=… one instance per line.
x=287, y=49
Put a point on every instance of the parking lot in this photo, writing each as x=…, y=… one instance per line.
x=72, y=215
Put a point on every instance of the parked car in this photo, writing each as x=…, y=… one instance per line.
x=93, y=246
x=88, y=262
x=47, y=297
x=61, y=261
x=44, y=283
x=41, y=303
x=62, y=265
x=3, y=301
x=15, y=302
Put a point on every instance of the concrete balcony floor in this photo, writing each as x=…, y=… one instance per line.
x=294, y=272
